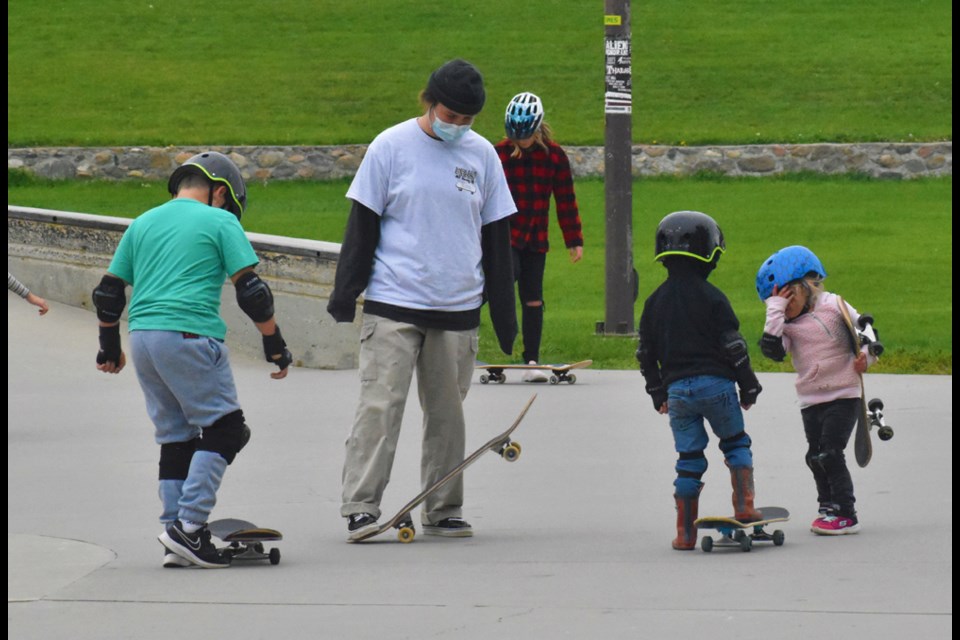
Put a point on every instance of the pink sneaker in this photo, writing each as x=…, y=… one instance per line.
x=832, y=525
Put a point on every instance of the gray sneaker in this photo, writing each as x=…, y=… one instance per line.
x=450, y=528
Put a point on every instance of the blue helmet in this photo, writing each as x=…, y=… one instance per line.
x=524, y=116
x=785, y=266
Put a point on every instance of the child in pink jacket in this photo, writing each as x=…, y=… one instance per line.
x=805, y=321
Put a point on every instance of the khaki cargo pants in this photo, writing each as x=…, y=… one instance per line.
x=389, y=353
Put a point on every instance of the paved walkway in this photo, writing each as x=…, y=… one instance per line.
x=572, y=540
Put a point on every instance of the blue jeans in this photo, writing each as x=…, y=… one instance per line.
x=691, y=401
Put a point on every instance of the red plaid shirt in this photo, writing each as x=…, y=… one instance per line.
x=532, y=178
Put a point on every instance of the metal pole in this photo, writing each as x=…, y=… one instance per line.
x=621, y=279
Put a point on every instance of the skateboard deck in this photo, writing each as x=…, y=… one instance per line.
x=743, y=534
x=245, y=540
x=558, y=372
x=871, y=413
x=501, y=443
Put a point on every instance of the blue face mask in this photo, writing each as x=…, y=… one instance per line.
x=446, y=131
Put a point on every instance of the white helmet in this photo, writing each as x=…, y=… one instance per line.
x=524, y=116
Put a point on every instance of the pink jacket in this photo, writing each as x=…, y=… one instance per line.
x=819, y=349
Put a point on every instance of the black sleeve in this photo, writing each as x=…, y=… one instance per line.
x=356, y=262
x=649, y=365
x=498, y=281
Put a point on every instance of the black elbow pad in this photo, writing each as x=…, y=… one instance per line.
x=109, y=299
x=254, y=297
x=771, y=346
x=735, y=349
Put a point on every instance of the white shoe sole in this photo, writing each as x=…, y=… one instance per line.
x=836, y=532
x=430, y=530
x=186, y=554
x=173, y=561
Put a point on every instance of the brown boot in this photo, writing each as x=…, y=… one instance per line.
x=686, y=514
x=742, y=480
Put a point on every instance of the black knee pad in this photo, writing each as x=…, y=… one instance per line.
x=175, y=459
x=227, y=436
x=814, y=460
x=738, y=441
x=831, y=458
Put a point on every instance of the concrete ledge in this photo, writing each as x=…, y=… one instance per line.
x=62, y=256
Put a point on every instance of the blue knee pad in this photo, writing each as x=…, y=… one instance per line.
x=691, y=465
x=736, y=450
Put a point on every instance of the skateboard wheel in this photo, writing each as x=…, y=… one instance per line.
x=778, y=538
x=739, y=535
x=258, y=547
x=406, y=534
x=572, y=379
x=274, y=556
x=554, y=380
x=511, y=452
x=746, y=543
x=484, y=378
x=885, y=433
x=501, y=379
x=707, y=544
x=875, y=404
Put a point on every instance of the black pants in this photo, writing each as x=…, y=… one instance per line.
x=828, y=427
x=528, y=267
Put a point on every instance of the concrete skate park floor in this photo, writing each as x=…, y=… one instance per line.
x=572, y=540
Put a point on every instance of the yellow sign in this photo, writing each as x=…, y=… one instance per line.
x=612, y=21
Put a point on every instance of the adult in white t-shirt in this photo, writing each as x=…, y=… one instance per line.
x=427, y=242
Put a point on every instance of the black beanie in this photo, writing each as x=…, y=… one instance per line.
x=458, y=86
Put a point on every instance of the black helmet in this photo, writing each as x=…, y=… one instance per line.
x=216, y=167
x=689, y=233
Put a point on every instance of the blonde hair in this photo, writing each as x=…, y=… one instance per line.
x=812, y=284
x=541, y=137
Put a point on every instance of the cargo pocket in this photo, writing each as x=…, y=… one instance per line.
x=368, y=356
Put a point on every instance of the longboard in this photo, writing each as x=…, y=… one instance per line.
x=245, y=539
x=501, y=443
x=743, y=534
x=558, y=372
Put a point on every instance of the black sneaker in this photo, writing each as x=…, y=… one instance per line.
x=359, y=524
x=195, y=547
x=450, y=528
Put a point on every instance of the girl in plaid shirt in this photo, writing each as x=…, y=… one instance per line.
x=536, y=167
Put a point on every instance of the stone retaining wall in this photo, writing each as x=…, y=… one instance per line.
x=63, y=255
x=879, y=160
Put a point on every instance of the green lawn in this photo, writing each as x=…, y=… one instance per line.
x=291, y=72
x=887, y=247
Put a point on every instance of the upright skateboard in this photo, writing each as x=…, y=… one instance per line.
x=558, y=372
x=743, y=534
x=501, y=443
x=871, y=413
x=245, y=540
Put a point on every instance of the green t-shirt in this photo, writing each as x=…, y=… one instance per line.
x=176, y=257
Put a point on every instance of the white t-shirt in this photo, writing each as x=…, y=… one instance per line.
x=432, y=198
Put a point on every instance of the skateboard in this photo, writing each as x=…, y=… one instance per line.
x=501, y=443
x=871, y=413
x=743, y=534
x=245, y=540
x=558, y=372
